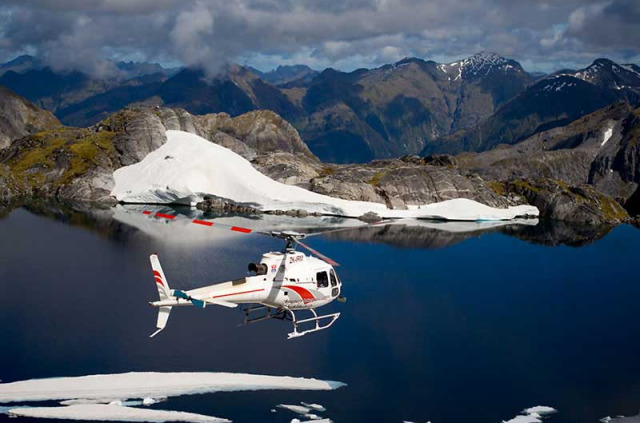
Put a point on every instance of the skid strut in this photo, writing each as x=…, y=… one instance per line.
x=316, y=319
x=288, y=314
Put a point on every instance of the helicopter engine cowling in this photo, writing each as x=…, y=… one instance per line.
x=258, y=268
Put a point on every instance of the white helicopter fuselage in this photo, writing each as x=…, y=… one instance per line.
x=285, y=281
x=292, y=280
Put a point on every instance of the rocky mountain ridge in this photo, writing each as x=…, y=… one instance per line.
x=411, y=106
x=553, y=101
x=383, y=112
x=588, y=169
x=19, y=117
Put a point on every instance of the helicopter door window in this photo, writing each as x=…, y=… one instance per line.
x=323, y=279
x=334, y=281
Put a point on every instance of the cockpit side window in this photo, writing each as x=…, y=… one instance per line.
x=322, y=279
x=334, y=279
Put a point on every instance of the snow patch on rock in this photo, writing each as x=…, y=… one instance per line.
x=199, y=168
x=607, y=134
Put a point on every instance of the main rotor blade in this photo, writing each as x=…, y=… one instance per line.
x=318, y=253
x=207, y=223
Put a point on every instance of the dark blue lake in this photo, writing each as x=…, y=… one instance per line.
x=444, y=326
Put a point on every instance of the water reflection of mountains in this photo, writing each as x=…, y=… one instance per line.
x=440, y=235
x=109, y=222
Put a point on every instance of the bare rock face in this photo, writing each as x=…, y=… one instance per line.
x=234, y=145
x=288, y=168
x=600, y=149
x=578, y=204
x=78, y=164
x=19, y=117
x=262, y=130
x=399, y=184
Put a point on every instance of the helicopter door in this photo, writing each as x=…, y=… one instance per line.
x=322, y=279
x=334, y=284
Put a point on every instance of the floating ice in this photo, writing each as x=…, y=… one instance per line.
x=621, y=419
x=124, y=386
x=200, y=167
x=316, y=407
x=113, y=413
x=295, y=408
x=532, y=415
x=540, y=409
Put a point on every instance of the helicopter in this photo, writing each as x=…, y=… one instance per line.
x=282, y=284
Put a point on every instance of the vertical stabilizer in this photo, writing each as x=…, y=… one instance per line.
x=163, y=291
x=161, y=281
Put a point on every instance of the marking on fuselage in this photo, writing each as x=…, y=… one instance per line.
x=237, y=293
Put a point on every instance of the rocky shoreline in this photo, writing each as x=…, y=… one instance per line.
x=77, y=164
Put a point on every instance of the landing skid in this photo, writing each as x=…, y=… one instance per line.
x=289, y=315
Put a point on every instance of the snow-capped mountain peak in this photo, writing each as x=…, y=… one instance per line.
x=607, y=73
x=479, y=65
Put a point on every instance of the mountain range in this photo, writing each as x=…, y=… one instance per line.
x=408, y=107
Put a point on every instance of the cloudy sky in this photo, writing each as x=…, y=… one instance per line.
x=344, y=34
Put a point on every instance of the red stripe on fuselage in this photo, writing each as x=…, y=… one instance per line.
x=166, y=216
x=146, y=212
x=243, y=230
x=202, y=222
x=306, y=295
x=237, y=293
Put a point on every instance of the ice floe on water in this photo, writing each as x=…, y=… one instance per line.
x=116, y=397
x=305, y=410
x=316, y=407
x=621, y=419
x=198, y=168
x=532, y=415
x=150, y=385
x=111, y=412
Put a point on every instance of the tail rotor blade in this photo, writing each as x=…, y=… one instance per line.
x=317, y=253
x=181, y=294
x=198, y=303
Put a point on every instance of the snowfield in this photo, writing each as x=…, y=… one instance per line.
x=605, y=137
x=187, y=168
x=150, y=385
